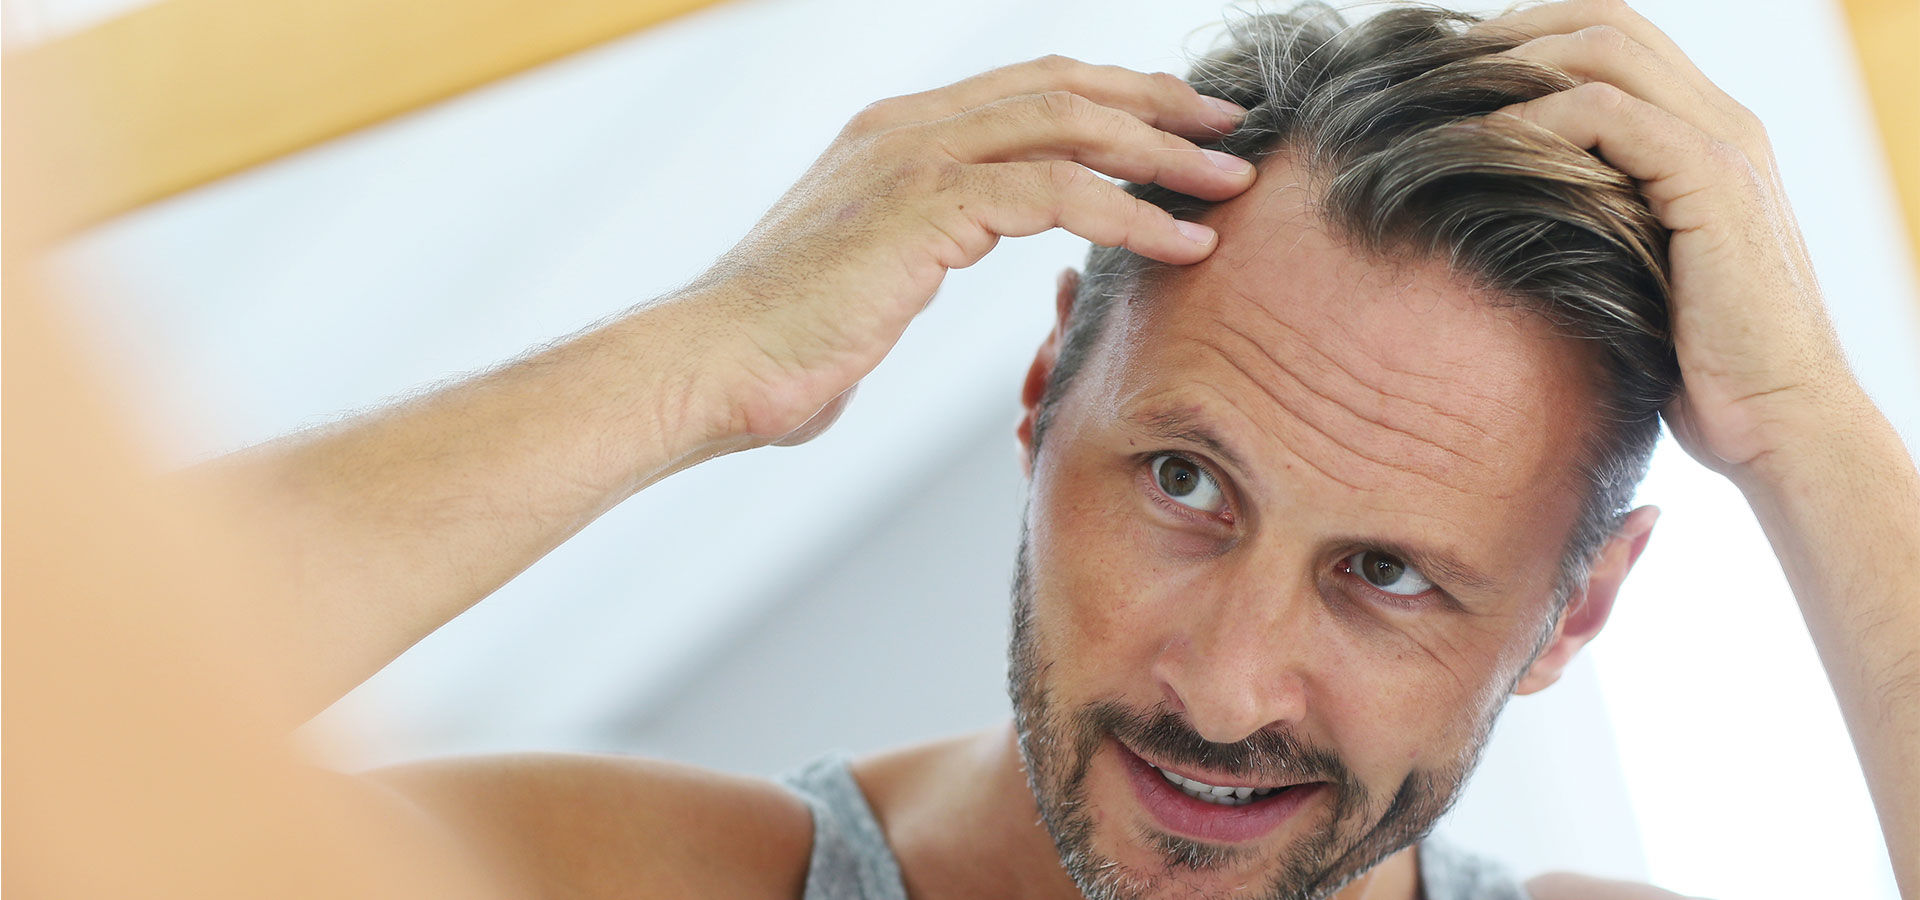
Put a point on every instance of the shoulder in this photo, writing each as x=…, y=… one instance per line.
x=1571, y=886
x=610, y=826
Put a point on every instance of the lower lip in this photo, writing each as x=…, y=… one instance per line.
x=1210, y=821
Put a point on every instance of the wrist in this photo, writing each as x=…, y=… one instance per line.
x=716, y=387
x=1845, y=438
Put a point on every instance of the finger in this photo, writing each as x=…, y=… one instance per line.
x=1016, y=199
x=1612, y=22
x=1609, y=54
x=1569, y=16
x=1065, y=125
x=1689, y=178
x=1161, y=100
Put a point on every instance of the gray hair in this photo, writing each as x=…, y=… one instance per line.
x=1388, y=118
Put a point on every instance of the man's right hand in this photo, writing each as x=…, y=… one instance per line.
x=383, y=527
x=821, y=289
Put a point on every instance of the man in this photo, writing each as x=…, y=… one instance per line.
x=1309, y=500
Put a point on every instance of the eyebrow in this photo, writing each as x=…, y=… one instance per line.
x=1177, y=425
x=1442, y=567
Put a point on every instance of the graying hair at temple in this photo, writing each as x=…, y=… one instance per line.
x=1387, y=117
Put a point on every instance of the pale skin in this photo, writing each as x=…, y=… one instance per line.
x=823, y=287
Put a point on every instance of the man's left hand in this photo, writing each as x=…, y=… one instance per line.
x=1767, y=397
x=1760, y=362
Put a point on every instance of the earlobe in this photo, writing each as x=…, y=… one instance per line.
x=1040, y=374
x=1592, y=602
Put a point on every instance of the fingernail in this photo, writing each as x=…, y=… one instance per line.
x=1194, y=231
x=1228, y=162
x=1230, y=109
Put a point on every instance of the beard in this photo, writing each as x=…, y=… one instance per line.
x=1058, y=745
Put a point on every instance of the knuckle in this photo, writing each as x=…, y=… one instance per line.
x=876, y=116
x=1725, y=154
x=908, y=167
x=1749, y=124
x=1167, y=81
x=1600, y=96
x=1140, y=215
x=1065, y=177
x=1054, y=62
x=948, y=175
x=1064, y=106
x=1606, y=38
x=1729, y=157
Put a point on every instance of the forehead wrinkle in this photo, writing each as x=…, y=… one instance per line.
x=1244, y=414
x=1284, y=405
x=1253, y=474
x=1291, y=409
x=1451, y=383
x=1458, y=386
x=1293, y=206
x=1377, y=421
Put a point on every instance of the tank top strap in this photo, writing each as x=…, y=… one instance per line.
x=850, y=859
x=1450, y=873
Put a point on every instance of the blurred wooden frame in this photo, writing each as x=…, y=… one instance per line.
x=183, y=92
x=1886, y=39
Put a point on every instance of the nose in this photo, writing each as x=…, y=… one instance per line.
x=1238, y=662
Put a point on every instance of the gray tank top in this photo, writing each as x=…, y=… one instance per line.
x=851, y=859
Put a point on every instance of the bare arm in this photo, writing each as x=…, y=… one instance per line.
x=1841, y=505
x=1768, y=398
x=383, y=527
x=386, y=526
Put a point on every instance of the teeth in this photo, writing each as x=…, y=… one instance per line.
x=1217, y=794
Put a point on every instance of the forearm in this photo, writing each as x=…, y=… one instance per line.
x=386, y=526
x=391, y=524
x=1842, y=510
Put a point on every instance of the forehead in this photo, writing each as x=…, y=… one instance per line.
x=1396, y=384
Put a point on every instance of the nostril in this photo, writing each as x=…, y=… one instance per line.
x=1173, y=698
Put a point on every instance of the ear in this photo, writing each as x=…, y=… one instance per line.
x=1592, y=602
x=1041, y=372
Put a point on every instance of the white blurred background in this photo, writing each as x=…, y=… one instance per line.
x=851, y=594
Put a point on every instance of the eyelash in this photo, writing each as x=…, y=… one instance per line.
x=1436, y=595
x=1397, y=601
x=1143, y=464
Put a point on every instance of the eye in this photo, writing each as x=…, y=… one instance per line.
x=1387, y=573
x=1185, y=483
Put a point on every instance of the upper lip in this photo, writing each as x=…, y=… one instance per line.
x=1205, y=777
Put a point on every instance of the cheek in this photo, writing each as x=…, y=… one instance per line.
x=1437, y=680
x=1101, y=596
x=1397, y=691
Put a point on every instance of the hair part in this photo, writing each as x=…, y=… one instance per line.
x=1388, y=118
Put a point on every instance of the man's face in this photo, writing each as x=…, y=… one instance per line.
x=1297, y=524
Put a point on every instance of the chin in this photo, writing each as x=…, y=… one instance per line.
x=1149, y=839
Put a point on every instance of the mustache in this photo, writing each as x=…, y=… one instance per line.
x=1271, y=754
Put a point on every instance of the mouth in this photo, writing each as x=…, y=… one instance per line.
x=1219, y=795
x=1219, y=813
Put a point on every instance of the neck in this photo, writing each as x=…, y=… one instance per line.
x=975, y=786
